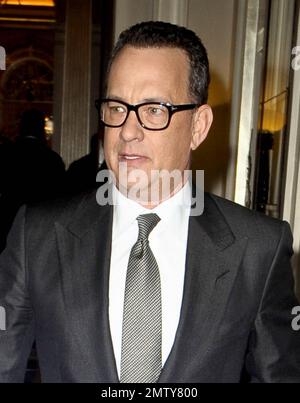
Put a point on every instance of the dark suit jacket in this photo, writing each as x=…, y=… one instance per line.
x=235, y=322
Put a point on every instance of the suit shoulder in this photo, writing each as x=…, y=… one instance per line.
x=246, y=222
x=62, y=209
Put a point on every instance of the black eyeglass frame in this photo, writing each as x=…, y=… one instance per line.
x=171, y=108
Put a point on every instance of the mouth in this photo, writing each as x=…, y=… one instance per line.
x=124, y=157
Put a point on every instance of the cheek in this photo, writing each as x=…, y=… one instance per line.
x=180, y=146
x=182, y=133
x=110, y=140
x=106, y=148
x=173, y=153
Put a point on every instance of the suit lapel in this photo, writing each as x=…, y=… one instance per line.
x=212, y=261
x=84, y=249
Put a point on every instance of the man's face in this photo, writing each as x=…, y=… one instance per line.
x=150, y=74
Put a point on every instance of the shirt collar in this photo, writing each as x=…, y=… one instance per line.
x=126, y=210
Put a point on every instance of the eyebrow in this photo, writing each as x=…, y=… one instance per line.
x=156, y=99
x=153, y=99
x=114, y=97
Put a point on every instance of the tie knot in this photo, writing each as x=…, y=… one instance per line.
x=146, y=224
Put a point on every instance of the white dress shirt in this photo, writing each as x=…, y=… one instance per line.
x=168, y=241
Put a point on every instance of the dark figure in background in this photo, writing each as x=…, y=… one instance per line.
x=5, y=151
x=32, y=171
x=6, y=147
x=39, y=170
x=81, y=175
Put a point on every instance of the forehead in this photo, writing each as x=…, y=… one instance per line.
x=160, y=57
x=137, y=67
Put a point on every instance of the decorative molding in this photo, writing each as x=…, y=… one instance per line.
x=238, y=56
x=74, y=120
x=250, y=90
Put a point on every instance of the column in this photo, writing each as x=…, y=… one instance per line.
x=73, y=81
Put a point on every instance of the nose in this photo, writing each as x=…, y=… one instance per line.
x=131, y=129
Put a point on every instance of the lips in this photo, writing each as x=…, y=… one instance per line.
x=133, y=161
x=131, y=157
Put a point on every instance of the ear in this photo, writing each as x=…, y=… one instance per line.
x=202, y=121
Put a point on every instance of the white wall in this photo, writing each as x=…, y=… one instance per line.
x=129, y=12
x=214, y=22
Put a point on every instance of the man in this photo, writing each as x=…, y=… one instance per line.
x=81, y=174
x=144, y=291
x=32, y=171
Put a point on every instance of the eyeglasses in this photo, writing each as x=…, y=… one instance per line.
x=151, y=115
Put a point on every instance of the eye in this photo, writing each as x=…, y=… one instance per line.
x=117, y=109
x=155, y=110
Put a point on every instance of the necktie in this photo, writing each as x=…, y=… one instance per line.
x=142, y=327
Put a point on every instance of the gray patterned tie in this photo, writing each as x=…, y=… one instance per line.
x=142, y=328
